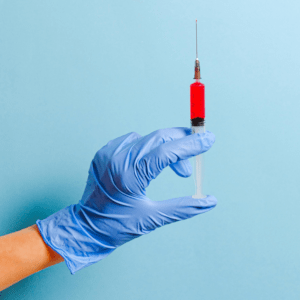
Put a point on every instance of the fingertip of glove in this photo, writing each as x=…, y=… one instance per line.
x=209, y=201
x=206, y=139
x=213, y=200
x=212, y=137
x=182, y=168
x=209, y=136
x=188, y=170
x=186, y=175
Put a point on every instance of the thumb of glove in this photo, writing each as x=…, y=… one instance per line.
x=177, y=209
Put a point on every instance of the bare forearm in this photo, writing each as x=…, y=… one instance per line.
x=23, y=253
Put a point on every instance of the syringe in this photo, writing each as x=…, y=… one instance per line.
x=197, y=100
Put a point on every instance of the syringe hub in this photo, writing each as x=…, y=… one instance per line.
x=197, y=69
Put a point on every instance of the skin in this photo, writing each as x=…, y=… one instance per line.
x=22, y=254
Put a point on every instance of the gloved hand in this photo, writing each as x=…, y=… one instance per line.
x=114, y=208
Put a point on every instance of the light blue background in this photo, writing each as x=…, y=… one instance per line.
x=75, y=74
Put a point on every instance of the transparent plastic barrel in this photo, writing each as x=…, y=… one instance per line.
x=198, y=167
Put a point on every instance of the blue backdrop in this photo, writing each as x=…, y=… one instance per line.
x=75, y=74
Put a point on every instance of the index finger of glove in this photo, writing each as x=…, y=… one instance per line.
x=159, y=137
x=168, y=153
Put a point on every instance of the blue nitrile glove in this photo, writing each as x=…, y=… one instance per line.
x=114, y=208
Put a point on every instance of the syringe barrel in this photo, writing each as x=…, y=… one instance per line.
x=198, y=166
x=197, y=102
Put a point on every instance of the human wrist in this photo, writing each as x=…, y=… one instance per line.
x=82, y=249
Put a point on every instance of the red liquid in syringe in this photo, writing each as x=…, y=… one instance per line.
x=197, y=99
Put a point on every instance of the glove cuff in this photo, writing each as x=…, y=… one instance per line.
x=63, y=232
